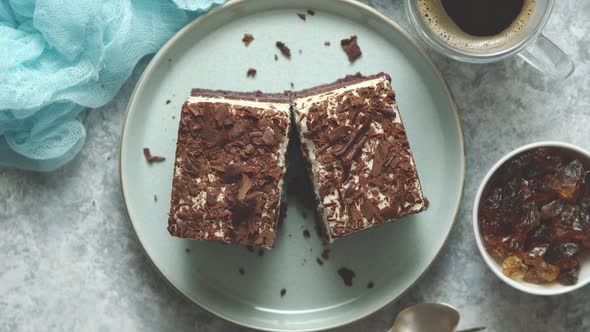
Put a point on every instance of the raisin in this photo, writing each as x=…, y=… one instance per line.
x=535, y=255
x=569, y=276
x=568, y=180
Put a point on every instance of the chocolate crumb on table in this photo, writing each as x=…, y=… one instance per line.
x=247, y=39
x=229, y=166
x=283, y=292
x=327, y=43
x=168, y=101
x=351, y=48
x=311, y=12
x=251, y=72
x=150, y=158
x=242, y=271
x=347, y=275
x=301, y=16
x=284, y=49
x=370, y=285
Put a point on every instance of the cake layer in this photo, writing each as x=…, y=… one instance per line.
x=229, y=168
x=358, y=154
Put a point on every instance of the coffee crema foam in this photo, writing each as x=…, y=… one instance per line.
x=435, y=17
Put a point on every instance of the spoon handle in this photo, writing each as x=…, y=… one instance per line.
x=475, y=329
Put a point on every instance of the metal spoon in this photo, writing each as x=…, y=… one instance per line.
x=429, y=317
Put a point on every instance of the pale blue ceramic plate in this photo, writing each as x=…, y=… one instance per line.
x=208, y=53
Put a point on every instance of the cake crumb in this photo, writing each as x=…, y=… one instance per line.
x=155, y=198
x=351, y=48
x=168, y=101
x=327, y=43
x=283, y=292
x=319, y=260
x=301, y=16
x=276, y=57
x=247, y=39
x=150, y=158
x=306, y=234
x=284, y=49
x=347, y=275
x=251, y=72
x=311, y=12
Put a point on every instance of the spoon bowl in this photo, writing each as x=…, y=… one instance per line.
x=427, y=317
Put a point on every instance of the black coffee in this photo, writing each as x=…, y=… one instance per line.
x=483, y=17
x=476, y=24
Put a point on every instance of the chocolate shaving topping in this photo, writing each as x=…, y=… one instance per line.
x=247, y=39
x=284, y=49
x=301, y=16
x=244, y=187
x=387, y=111
x=148, y=156
x=268, y=137
x=338, y=133
x=351, y=48
x=251, y=72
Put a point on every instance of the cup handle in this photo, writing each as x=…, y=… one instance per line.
x=545, y=56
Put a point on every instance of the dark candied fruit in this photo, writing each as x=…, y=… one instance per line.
x=569, y=276
x=534, y=216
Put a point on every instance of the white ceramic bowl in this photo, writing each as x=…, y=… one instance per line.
x=550, y=289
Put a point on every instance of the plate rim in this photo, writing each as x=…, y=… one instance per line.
x=392, y=25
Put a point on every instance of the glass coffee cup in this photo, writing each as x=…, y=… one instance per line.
x=527, y=41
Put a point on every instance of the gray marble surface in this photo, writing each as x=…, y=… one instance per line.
x=69, y=259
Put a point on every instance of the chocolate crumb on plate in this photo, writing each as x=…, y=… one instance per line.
x=187, y=250
x=276, y=57
x=247, y=39
x=283, y=292
x=306, y=234
x=370, y=285
x=150, y=158
x=311, y=12
x=347, y=275
x=155, y=198
x=250, y=248
x=292, y=85
x=301, y=16
x=326, y=254
x=284, y=49
x=319, y=260
x=351, y=48
x=251, y=72
x=242, y=271
x=260, y=252
x=327, y=43
x=300, y=51
x=168, y=101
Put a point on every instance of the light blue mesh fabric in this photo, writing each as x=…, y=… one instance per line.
x=59, y=57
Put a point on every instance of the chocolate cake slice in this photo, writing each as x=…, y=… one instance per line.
x=358, y=154
x=229, y=168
